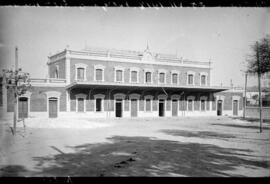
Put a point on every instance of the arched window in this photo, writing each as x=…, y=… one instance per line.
x=162, y=77
x=134, y=75
x=190, y=77
x=99, y=72
x=119, y=74
x=203, y=78
x=80, y=73
x=148, y=77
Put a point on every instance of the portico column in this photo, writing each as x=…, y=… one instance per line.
x=68, y=99
x=67, y=67
x=210, y=102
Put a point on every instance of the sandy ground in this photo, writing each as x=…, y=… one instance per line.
x=201, y=146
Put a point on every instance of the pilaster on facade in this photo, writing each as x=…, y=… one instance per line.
x=67, y=67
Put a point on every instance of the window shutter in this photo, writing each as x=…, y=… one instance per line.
x=99, y=74
x=174, y=78
x=119, y=75
x=134, y=76
x=162, y=77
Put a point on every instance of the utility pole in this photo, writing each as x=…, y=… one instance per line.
x=15, y=92
x=245, y=97
x=259, y=85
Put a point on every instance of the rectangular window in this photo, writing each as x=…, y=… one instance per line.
x=202, y=105
x=80, y=73
x=190, y=104
x=56, y=73
x=99, y=74
x=190, y=79
x=174, y=78
x=134, y=76
x=148, y=77
x=162, y=77
x=98, y=105
x=203, y=80
x=119, y=75
x=148, y=105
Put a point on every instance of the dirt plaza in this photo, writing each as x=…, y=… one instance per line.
x=183, y=146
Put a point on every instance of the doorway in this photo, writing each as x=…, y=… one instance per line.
x=53, y=108
x=174, y=107
x=235, y=107
x=80, y=104
x=161, y=108
x=23, y=107
x=219, y=108
x=134, y=107
x=118, y=108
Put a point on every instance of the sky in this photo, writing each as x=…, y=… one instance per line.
x=222, y=35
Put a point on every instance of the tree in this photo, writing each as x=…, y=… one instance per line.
x=19, y=83
x=259, y=64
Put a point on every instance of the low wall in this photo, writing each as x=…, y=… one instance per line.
x=253, y=112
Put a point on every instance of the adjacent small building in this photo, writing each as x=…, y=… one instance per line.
x=108, y=83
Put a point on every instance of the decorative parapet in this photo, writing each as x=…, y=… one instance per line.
x=48, y=82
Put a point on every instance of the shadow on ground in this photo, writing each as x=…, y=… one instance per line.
x=143, y=156
x=250, y=119
x=241, y=126
x=198, y=134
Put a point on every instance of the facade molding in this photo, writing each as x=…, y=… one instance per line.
x=149, y=97
x=124, y=60
x=134, y=96
x=175, y=96
x=236, y=97
x=55, y=94
x=119, y=96
x=203, y=98
x=27, y=94
x=162, y=96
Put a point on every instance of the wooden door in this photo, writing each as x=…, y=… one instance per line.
x=53, y=108
x=80, y=105
x=219, y=108
x=134, y=108
x=174, y=107
x=235, y=107
x=23, y=107
x=161, y=108
x=118, y=109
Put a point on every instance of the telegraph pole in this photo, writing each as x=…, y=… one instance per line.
x=245, y=99
x=15, y=92
x=259, y=85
